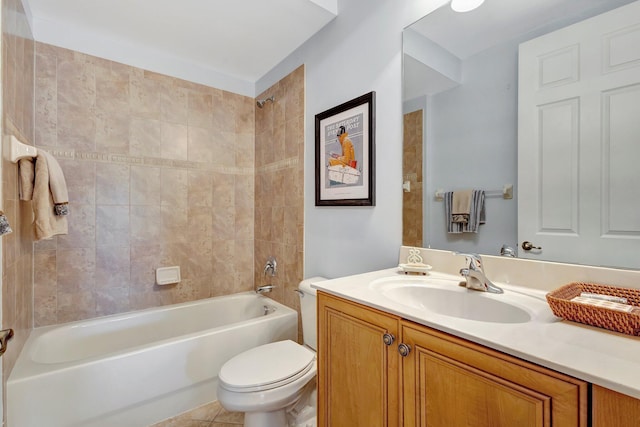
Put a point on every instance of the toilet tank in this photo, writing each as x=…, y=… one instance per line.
x=308, y=311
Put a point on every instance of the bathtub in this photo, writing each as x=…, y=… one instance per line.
x=135, y=369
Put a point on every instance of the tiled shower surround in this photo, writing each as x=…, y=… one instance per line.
x=279, y=215
x=17, y=254
x=412, y=172
x=161, y=172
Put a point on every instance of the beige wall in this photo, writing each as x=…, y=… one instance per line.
x=160, y=173
x=279, y=211
x=17, y=104
x=412, y=172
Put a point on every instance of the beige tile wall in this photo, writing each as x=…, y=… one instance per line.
x=279, y=215
x=160, y=172
x=17, y=100
x=412, y=172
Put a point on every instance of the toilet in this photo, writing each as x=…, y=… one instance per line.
x=274, y=384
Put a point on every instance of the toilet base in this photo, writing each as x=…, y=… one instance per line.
x=266, y=419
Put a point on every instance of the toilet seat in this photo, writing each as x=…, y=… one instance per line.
x=266, y=367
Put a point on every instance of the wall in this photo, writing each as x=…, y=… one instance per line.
x=473, y=131
x=359, y=51
x=17, y=106
x=279, y=217
x=160, y=172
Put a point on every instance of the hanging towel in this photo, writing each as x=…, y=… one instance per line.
x=461, y=206
x=27, y=172
x=45, y=185
x=5, y=228
x=476, y=213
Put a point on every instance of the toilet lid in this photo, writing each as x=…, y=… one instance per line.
x=266, y=366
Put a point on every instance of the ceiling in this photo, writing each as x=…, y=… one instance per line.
x=463, y=35
x=224, y=43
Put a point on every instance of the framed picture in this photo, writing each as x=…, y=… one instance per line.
x=345, y=151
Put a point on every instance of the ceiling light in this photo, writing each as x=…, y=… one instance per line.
x=465, y=5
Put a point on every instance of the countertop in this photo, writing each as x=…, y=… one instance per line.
x=601, y=357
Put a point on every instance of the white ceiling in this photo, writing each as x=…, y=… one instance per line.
x=496, y=21
x=465, y=34
x=224, y=43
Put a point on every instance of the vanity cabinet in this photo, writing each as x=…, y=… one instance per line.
x=358, y=383
x=439, y=381
x=448, y=381
x=613, y=409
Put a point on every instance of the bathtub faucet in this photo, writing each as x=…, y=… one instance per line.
x=271, y=266
x=265, y=289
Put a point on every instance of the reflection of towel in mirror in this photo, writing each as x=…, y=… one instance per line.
x=476, y=213
x=46, y=187
x=461, y=206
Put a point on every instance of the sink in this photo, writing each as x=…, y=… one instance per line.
x=446, y=298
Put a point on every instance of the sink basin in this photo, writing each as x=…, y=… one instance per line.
x=446, y=298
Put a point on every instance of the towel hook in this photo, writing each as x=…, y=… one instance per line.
x=17, y=150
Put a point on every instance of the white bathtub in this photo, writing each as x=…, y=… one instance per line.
x=135, y=369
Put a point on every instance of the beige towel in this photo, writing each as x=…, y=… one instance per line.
x=461, y=206
x=39, y=184
x=27, y=171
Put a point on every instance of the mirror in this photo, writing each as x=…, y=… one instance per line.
x=460, y=82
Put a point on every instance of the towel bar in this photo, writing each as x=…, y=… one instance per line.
x=506, y=193
x=16, y=150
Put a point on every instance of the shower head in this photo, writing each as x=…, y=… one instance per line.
x=260, y=103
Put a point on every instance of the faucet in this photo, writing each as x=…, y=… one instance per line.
x=271, y=266
x=508, y=251
x=265, y=289
x=474, y=275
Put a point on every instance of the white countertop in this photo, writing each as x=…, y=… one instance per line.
x=605, y=358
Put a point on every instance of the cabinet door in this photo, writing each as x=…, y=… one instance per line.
x=612, y=409
x=358, y=373
x=448, y=381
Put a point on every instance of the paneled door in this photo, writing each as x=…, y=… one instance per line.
x=579, y=141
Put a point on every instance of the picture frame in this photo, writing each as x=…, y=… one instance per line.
x=345, y=153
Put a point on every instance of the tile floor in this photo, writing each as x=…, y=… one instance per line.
x=209, y=415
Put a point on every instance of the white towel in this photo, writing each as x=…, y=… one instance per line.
x=476, y=213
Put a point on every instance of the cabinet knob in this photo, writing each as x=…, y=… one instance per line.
x=388, y=338
x=404, y=349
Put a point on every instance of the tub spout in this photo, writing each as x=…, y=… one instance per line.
x=265, y=289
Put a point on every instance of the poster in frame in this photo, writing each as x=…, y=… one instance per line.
x=345, y=153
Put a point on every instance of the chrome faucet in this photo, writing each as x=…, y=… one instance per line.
x=271, y=266
x=474, y=275
x=265, y=289
x=508, y=251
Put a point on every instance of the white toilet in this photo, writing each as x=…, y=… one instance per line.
x=272, y=383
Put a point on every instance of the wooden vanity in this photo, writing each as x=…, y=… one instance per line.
x=378, y=369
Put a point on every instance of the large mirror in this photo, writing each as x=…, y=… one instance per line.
x=460, y=102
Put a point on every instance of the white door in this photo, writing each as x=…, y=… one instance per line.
x=579, y=142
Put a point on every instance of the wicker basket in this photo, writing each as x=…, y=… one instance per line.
x=627, y=323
